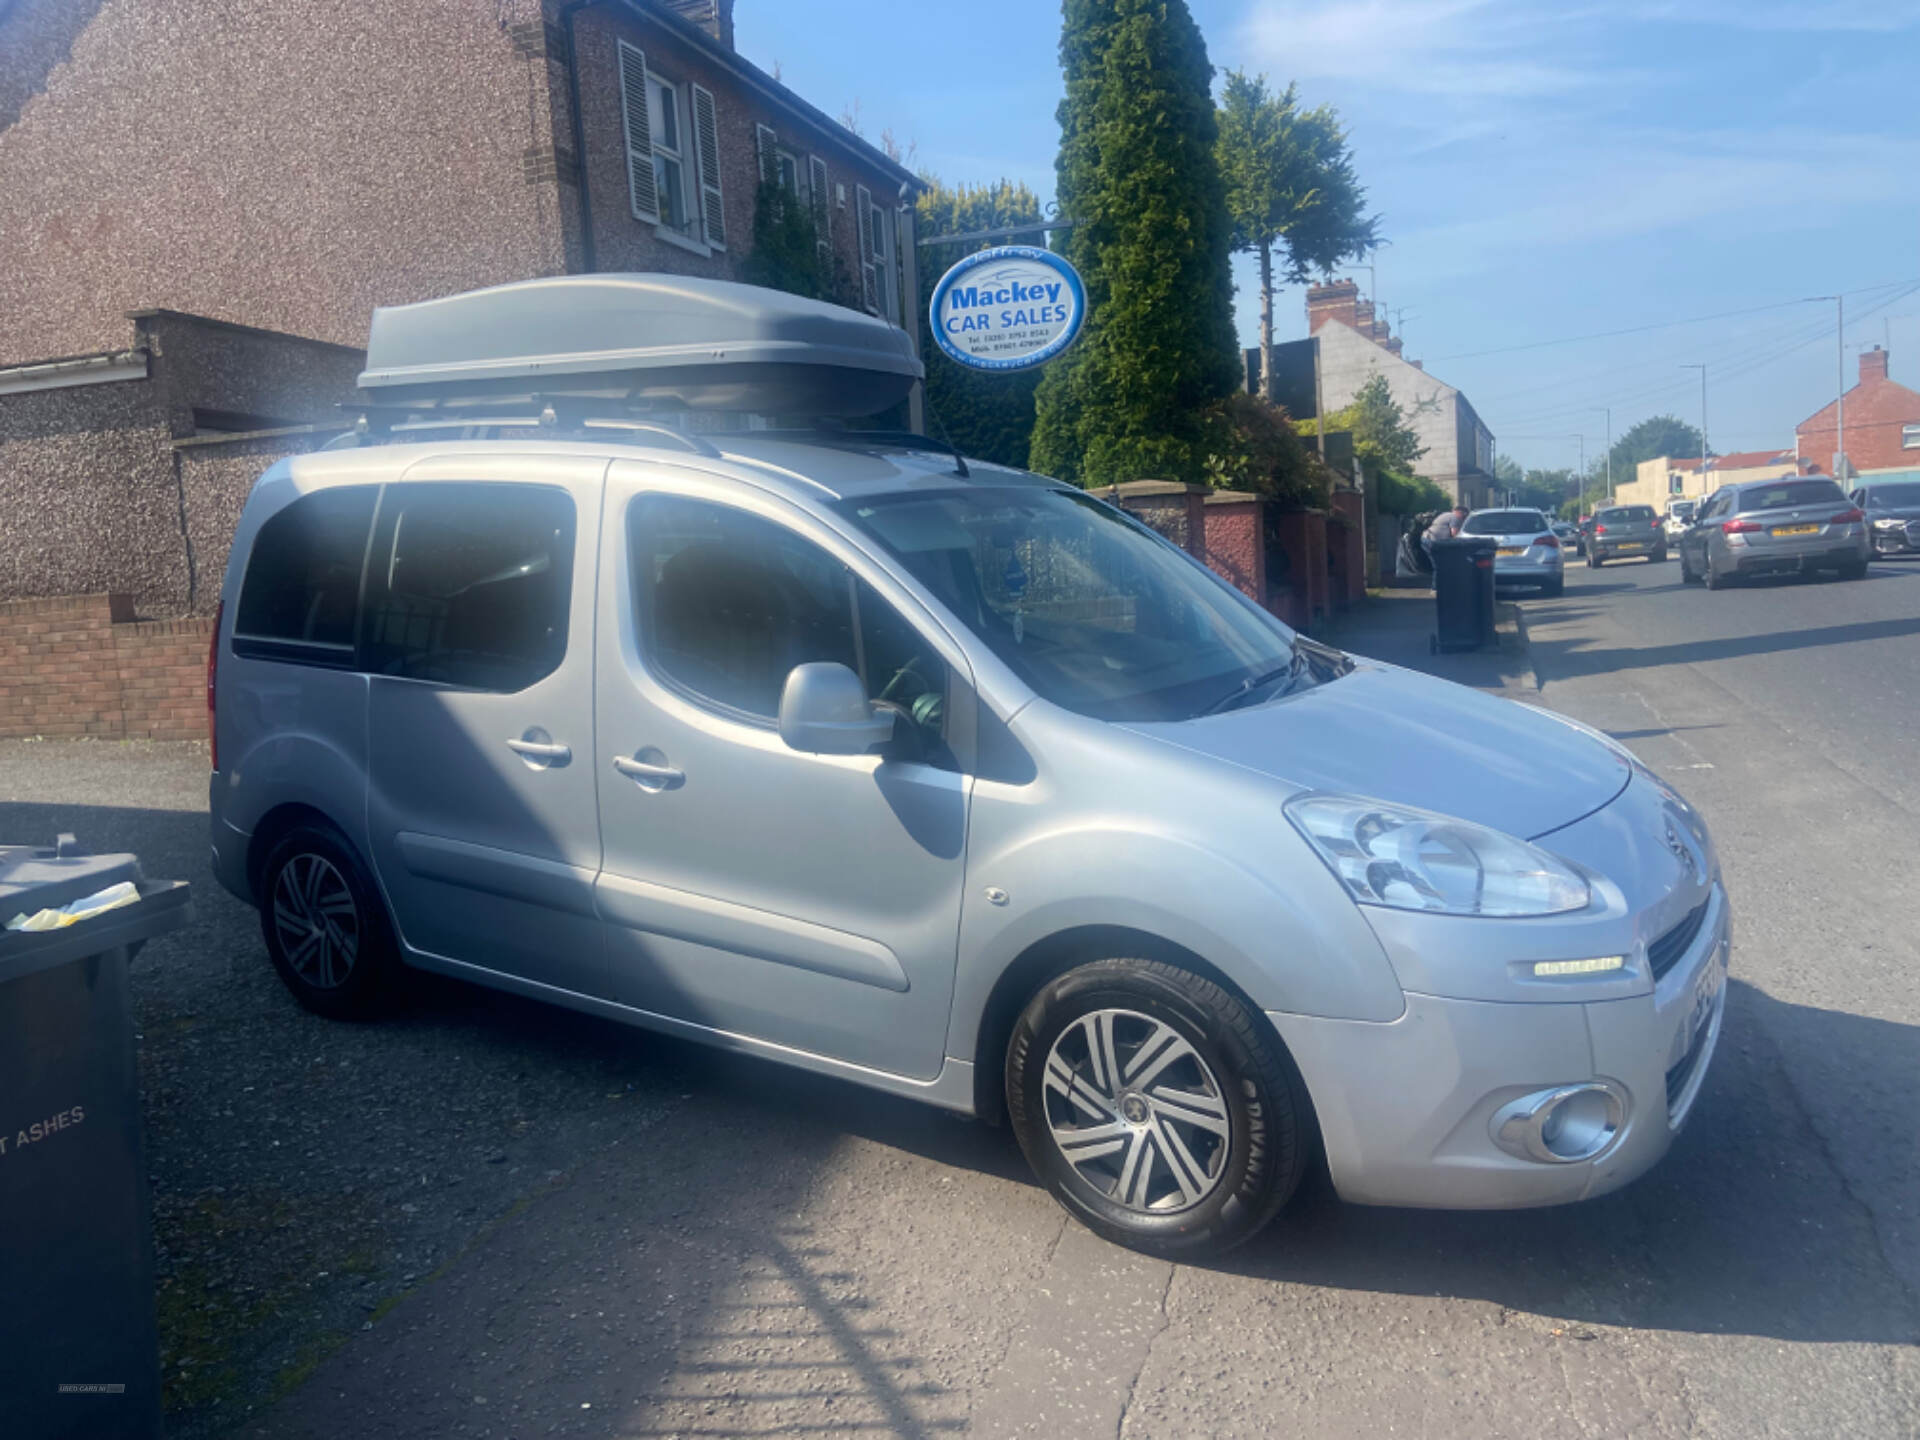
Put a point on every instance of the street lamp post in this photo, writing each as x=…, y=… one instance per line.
x=1705, y=450
x=1608, y=412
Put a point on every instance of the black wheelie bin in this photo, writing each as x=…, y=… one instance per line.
x=1463, y=593
x=78, y=1351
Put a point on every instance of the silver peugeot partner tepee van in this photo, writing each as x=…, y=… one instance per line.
x=833, y=747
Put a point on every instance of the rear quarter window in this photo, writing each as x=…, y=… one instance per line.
x=302, y=585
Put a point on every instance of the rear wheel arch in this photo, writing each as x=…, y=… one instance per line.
x=276, y=823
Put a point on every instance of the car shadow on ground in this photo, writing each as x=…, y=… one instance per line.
x=1572, y=659
x=1745, y=1228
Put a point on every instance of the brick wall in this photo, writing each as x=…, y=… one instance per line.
x=80, y=665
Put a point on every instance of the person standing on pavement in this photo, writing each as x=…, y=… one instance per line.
x=1446, y=526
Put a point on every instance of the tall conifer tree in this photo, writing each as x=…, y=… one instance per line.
x=1139, y=170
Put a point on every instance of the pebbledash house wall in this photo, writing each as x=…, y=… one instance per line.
x=124, y=486
x=287, y=164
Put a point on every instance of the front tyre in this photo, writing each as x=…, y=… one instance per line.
x=1158, y=1110
x=324, y=925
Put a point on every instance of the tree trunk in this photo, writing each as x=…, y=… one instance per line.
x=1266, y=321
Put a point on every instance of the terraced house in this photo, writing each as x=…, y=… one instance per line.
x=205, y=200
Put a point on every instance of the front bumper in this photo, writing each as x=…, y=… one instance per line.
x=1407, y=1109
x=1900, y=539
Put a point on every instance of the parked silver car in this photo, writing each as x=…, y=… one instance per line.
x=1530, y=551
x=1892, y=510
x=1771, y=527
x=953, y=781
x=1624, y=531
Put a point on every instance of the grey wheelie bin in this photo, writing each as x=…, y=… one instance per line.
x=78, y=1352
x=1463, y=593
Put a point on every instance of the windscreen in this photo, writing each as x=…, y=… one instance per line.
x=1089, y=607
x=1505, y=522
x=1895, y=497
x=1625, y=514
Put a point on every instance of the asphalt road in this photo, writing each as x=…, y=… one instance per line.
x=485, y=1217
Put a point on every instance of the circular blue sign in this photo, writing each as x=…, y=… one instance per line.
x=1007, y=308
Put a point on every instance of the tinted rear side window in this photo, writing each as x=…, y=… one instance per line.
x=303, y=574
x=470, y=585
x=1791, y=492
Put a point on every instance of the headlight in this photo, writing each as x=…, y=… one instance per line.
x=1416, y=860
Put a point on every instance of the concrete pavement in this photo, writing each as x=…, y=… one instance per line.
x=554, y=1226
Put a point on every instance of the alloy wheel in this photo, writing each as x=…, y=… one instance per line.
x=316, y=921
x=1136, y=1112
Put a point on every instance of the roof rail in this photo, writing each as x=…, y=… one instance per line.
x=855, y=439
x=375, y=422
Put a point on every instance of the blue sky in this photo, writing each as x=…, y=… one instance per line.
x=1544, y=170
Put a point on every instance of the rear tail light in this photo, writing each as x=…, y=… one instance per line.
x=1848, y=517
x=1552, y=542
x=213, y=675
x=1599, y=529
x=1741, y=527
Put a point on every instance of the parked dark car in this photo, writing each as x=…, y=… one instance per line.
x=1770, y=527
x=1623, y=531
x=1893, y=516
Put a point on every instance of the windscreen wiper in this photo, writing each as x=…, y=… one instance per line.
x=1247, y=687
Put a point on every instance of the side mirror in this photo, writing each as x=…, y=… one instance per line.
x=824, y=710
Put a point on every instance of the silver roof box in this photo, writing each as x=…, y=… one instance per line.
x=669, y=340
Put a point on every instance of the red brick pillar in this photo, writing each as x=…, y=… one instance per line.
x=1234, y=545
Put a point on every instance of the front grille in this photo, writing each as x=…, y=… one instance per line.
x=1682, y=1070
x=1663, y=954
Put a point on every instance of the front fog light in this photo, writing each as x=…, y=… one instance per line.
x=1563, y=1125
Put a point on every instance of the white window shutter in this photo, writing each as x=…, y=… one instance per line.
x=706, y=144
x=863, y=217
x=765, y=143
x=822, y=209
x=633, y=114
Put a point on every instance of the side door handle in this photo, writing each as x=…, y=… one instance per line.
x=647, y=773
x=540, y=749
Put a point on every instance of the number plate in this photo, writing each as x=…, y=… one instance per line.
x=1796, y=529
x=1511, y=550
x=1631, y=545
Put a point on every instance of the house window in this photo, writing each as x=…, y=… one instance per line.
x=876, y=246
x=669, y=153
x=787, y=171
x=1910, y=437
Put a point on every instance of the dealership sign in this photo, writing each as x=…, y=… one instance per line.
x=1008, y=308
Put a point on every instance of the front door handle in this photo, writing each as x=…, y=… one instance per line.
x=540, y=749
x=650, y=775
